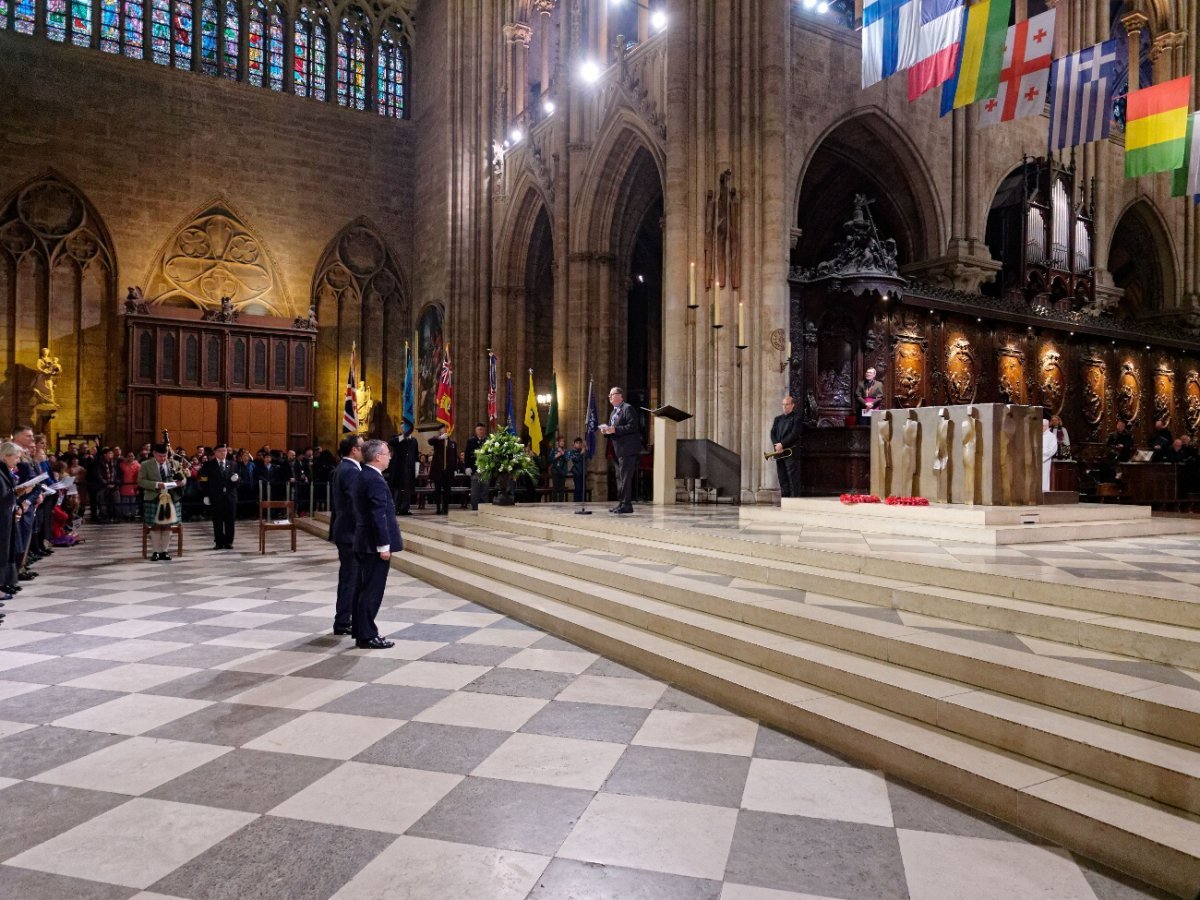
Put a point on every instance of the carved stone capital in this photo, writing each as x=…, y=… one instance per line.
x=1108, y=295
x=962, y=268
x=1134, y=22
x=794, y=235
x=544, y=7
x=518, y=33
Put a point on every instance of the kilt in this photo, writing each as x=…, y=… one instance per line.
x=150, y=513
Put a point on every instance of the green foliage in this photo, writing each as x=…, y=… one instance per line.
x=503, y=454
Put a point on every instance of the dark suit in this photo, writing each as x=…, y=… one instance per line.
x=626, y=442
x=401, y=471
x=374, y=527
x=443, y=461
x=341, y=532
x=786, y=431
x=221, y=490
x=8, y=528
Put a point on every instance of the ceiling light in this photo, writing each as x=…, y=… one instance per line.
x=548, y=106
x=515, y=135
x=658, y=20
x=589, y=71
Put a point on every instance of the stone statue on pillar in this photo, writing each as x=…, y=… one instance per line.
x=366, y=406
x=43, y=403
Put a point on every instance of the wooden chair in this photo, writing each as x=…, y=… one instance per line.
x=265, y=524
x=176, y=529
x=1106, y=491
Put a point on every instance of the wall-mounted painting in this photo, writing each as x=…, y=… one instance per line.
x=430, y=341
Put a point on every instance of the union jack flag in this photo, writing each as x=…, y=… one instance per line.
x=350, y=410
x=445, y=393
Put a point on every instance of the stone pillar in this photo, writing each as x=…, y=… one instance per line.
x=1134, y=23
x=289, y=64
x=518, y=35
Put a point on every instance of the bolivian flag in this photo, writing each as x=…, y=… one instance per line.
x=1187, y=178
x=980, y=55
x=1156, y=128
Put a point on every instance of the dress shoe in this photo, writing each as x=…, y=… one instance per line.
x=625, y=511
x=154, y=557
x=25, y=576
x=342, y=631
x=166, y=557
x=375, y=643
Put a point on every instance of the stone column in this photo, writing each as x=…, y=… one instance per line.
x=1134, y=23
x=518, y=35
x=289, y=63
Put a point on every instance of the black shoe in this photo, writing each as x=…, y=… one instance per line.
x=166, y=557
x=25, y=576
x=342, y=631
x=154, y=557
x=375, y=643
x=625, y=511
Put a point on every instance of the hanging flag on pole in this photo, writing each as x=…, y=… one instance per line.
x=532, y=420
x=890, y=38
x=1156, y=125
x=445, y=393
x=1028, y=53
x=1081, y=96
x=592, y=423
x=937, y=48
x=350, y=408
x=552, y=416
x=1186, y=182
x=981, y=56
x=491, y=400
x=409, y=416
x=510, y=423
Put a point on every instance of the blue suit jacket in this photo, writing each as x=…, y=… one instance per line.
x=341, y=489
x=374, y=514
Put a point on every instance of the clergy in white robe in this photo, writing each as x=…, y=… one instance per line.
x=1049, y=448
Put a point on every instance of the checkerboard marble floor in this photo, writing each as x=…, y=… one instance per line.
x=192, y=730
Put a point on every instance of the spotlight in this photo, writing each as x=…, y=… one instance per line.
x=823, y=7
x=658, y=20
x=809, y=4
x=515, y=135
x=589, y=71
x=548, y=106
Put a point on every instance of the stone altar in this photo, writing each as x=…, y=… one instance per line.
x=979, y=454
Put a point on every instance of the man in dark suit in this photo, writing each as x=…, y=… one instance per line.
x=443, y=461
x=478, y=488
x=622, y=431
x=785, y=435
x=376, y=535
x=402, y=471
x=341, y=529
x=219, y=478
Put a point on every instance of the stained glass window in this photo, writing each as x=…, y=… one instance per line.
x=209, y=25
x=312, y=53
x=134, y=12
x=182, y=34
x=24, y=16
x=256, y=32
x=56, y=20
x=4, y=9
x=275, y=38
x=231, y=30
x=110, y=26
x=352, y=59
x=160, y=31
x=81, y=23
x=393, y=59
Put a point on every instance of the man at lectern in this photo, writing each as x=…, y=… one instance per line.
x=626, y=441
x=869, y=394
x=785, y=440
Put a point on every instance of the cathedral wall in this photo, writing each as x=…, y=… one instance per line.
x=149, y=147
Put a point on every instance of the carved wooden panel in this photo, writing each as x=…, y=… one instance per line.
x=1052, y=381
x=1095, y=393
x=1164, y=396
x=1192, y=400
x=1010, y=375
x=1129, y=393
x=962, y=370
x=909, y=373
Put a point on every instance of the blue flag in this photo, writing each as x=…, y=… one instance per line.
x=511, y=424
x=592, y=423
x=409, y=421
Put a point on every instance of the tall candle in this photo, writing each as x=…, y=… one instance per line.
x=741, y=324
x=717, y=305
x=788, y=351
x=692, y=304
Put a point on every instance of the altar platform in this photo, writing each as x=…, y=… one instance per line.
x=992, y=525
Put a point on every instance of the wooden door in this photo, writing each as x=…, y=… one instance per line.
x=255, y=421
x=192, y=421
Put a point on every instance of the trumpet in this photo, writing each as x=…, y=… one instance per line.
x=785, y=453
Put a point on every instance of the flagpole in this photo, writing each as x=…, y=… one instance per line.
x=583, y=510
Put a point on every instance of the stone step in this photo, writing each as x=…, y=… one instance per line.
x=1128, y=633
x=1162, y=770
x=730, y=550
x=1148, y=840
x=1166, y=711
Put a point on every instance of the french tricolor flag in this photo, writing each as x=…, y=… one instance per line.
x=941, y=32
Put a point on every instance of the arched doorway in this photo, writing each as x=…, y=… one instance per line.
x=538, y=338
x=1140, y=262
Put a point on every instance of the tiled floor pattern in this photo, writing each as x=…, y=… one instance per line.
x=1163, y=566
x=191, y=730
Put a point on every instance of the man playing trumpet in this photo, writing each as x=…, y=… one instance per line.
x=785, y=436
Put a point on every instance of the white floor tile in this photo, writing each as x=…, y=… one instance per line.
x=698, y=731
x=569, y=661
x=818, y=792
x=292, y=692
x=132, y=650
x=556, y=761
x=134, y=766
x=639, y=692
x=131, y=628
x=443, y=676
x=465, y=619
x=482, y=711
x=327, y=735
x=131, y=677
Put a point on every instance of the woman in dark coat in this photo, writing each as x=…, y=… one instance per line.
x=10, y=454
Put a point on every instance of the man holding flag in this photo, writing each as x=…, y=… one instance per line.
x=350, y=408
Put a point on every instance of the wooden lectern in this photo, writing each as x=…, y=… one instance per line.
x=666, y=421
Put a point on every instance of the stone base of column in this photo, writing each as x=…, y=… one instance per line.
x=966, y=266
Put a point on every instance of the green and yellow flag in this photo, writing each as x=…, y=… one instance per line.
x=980, y=55
x=1187, y=179
x=532, y=420
x=1156, y=128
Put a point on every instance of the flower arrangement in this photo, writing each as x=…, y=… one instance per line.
x=503, y=455
x=907, y=501
x=851, y=499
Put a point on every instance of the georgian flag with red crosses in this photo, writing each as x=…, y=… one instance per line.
x=1028, y=53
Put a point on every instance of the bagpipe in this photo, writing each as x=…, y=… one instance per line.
x=173, y=469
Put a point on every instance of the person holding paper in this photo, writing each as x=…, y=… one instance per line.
x=10, y=455
x=160, y=501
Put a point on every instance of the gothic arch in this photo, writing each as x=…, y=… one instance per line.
x=362, y=300
x=524, y=313
x=614, y=151
x=854, y=155
x=1142, y=260
x=58, y=288
x=215, y=254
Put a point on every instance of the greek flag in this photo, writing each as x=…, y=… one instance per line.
x=1081, y=96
